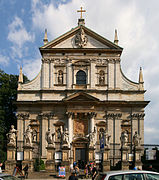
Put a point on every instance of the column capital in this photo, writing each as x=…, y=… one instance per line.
x=137, y=115
x=113, y=115
x=23, y=116
x=70, y=114
x=46, y=115
x=92, y=114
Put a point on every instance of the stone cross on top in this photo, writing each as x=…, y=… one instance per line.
x=81, y=11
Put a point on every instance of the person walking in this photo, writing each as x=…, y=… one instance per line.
x=94, y=172
x=25, y=169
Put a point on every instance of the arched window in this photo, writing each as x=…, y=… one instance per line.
x=81, y=77
x=60, y=77
x=101, y=77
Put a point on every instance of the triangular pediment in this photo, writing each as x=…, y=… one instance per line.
x=80, y=97
x=81, y=37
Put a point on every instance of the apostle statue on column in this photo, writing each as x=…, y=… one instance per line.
x=66, y=136
x=91, y=137
x=49, y=137
x=124, y=138
x=28, y=135
x=11, y=136
x=107, y=138
x=136, y=139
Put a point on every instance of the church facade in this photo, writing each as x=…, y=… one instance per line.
x=80, y=103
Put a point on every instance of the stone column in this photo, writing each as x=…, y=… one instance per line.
x=111, y=74
x=52, y=74
x=92, y=75
x=137, y=153
x=28, y=150
x=50, y=162
x=65, y=158
x=91, y=154
x=70, y=126
x=69, y=75
x=124, y=158
x=106, y=161
x=92, y=116
x=117, y=75
x=10, y=164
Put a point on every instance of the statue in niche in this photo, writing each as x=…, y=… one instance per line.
x=49, y=137
x=124, y=138
x=81, y=39
x=34, y=135
x=60, y=133
x=28, y=135
x=101, y=78
x=60, y=77
x=136, y=139
x=11, y=136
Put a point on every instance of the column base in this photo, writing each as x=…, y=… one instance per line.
x=9, y=166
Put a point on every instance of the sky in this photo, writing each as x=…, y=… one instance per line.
x=22, y=26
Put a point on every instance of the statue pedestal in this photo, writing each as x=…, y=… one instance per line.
x=91, y=157
x=50, y=162
x=65, y=158
x=10, y=164
x=28, y=158
x=137, y=152
x=106, y=161
x=124, y=158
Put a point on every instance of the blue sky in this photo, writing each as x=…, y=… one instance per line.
x=22, y=26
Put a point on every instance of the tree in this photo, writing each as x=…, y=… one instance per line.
x=8, y=95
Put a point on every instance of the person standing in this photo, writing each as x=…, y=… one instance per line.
x=25, y=169
x=94, y=172
x=73, y=176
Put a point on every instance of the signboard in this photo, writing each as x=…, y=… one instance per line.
x=19, y=156
x=58, y=156
x=62, y=172
x=130, y=157
x=150, y=154
x=98, y=157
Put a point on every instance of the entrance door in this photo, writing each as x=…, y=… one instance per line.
x=80, y=157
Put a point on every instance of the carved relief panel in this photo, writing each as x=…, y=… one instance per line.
x=80, y=128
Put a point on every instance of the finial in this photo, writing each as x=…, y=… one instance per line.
x=45, y=37
x=141, y=81
x=116, y=38
x=81, y=20
x=20, y=80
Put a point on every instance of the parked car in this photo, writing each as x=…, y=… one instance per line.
x=7, y=177
x=128, y=175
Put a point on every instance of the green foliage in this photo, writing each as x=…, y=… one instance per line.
x=8, y=95
x=39, y=165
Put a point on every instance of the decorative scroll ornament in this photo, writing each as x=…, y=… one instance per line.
x=81, y=39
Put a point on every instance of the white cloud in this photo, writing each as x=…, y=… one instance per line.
x=137, y=25
x=18, y=35
x=31, y=67
x=4, y=60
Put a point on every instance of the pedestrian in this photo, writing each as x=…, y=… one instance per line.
x=73, y=176
x=71, y=167
x=1, y=167
x=25, y=169
x=76, y=170
x=94, y=172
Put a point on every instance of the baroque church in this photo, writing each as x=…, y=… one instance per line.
x=80, y=106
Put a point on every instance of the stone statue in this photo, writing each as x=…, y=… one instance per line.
x=49, y=137
x=28, y=135
x=66, y=136
x=60, y=133
x=107, y=138
x=60, y=77
x=34, y=135
x=124, y=138
x=81, y=39
x=11, y=136
x=136, y=139
x=91, y=137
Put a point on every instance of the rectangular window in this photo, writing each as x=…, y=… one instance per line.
x=116, y=177
x=134, y=176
